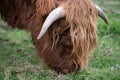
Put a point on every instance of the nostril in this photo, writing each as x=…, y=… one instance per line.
x=65, y=71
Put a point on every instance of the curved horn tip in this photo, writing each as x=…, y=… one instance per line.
x=102, y=14
x=38, y=37
x=51, y=18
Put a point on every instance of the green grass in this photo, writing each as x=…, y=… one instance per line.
x=18, y=60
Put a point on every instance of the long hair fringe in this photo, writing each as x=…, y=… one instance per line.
x=82, y=17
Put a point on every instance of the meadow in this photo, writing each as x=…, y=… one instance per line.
x=18, y=60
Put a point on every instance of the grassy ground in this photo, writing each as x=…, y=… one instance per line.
x=18, y=61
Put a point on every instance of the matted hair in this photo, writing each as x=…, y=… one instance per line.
x=66, y=45
x=68, y=41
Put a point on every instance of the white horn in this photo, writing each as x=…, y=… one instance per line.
x=52, y=17
x=102, y=14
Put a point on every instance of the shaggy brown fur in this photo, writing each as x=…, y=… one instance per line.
x=66, y=45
